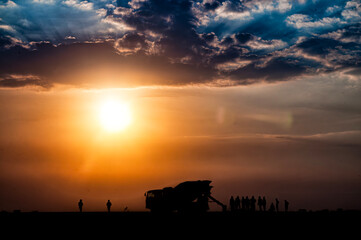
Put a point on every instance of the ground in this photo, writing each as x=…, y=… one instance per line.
x=170, y=226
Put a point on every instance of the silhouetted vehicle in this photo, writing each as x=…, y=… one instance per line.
x=190, y=196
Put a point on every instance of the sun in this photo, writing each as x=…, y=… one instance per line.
x=114, y=115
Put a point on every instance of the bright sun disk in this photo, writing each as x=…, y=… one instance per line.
x=114, y=115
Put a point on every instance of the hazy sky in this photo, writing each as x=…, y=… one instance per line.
x=261, y=97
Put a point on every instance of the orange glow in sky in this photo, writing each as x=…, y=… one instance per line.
x=118, y=143
x=114, y=115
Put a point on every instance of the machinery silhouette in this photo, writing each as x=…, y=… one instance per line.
x=189, y=196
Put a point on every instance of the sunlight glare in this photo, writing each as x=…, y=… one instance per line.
x=114, y=115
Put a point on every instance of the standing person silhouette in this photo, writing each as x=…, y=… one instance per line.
x=264, y=203
x=231, y=203
x=286, y=205
x=80, y=205
x=247, y=203
x=253, y=204
x=237, y=203
x=259, y=203
x=277, y=203
x=109, y=204
x=272, y=208
x=243, y=203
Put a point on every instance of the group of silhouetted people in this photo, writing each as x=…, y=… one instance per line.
x=80, y=205
x=249, y=204
x=246, y=204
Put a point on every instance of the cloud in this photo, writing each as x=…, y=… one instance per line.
x=276, y=69
x=210, y=41
x=131, y=43
x=7, y=42
x=352, y=11
x=333, y=9
x=114, y=25
x=253, y=6
x=44, y=1
x=304, y=21
x=348, y=34
x=337, y=53
x=211, y=5
x=70, y=37
x=345, y=138
x=15, y=81
x=232, y=10
x=41, y=21
x=242, y=10
x=83, y=64
x=7, y=28
x=82, y=5
x=8, y=4
x=260, y=44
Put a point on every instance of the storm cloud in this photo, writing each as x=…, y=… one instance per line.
x=175, y=42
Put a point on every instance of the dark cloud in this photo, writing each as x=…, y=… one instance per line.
x=228, y=55
x=4, y=42
x=243, y=41
x=341, y=48
x=174, y=22
x=23, y=81
x=87, y=63
x=319, y=46
x=275, y=70
x=243, y=37
x=210, y=6
x=132, y=42
x=353, y=32
x=227, y=41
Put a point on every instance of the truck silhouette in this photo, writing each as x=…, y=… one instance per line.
x=189, y=196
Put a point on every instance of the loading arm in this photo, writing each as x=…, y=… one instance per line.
x=224, y=207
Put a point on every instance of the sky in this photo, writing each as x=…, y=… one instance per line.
x=261, y=97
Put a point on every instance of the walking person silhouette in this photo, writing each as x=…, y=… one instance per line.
x=109, y=204
x=80, y=205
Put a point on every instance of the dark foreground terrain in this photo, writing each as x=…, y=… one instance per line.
x=131, y=225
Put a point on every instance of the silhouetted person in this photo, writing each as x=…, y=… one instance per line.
x=286, y=205
x=243, y=203
x=272, y=208
x=109, y=204
x=277, y=203
x=247, y=203
x=80, y=205
x=237, y=203
x=264, y=203
x=253, y=204
x=260, y=203
x=231, y=203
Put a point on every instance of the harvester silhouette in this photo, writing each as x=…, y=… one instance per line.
x=189, y=196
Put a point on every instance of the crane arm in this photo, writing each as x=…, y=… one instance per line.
x=224, y=207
